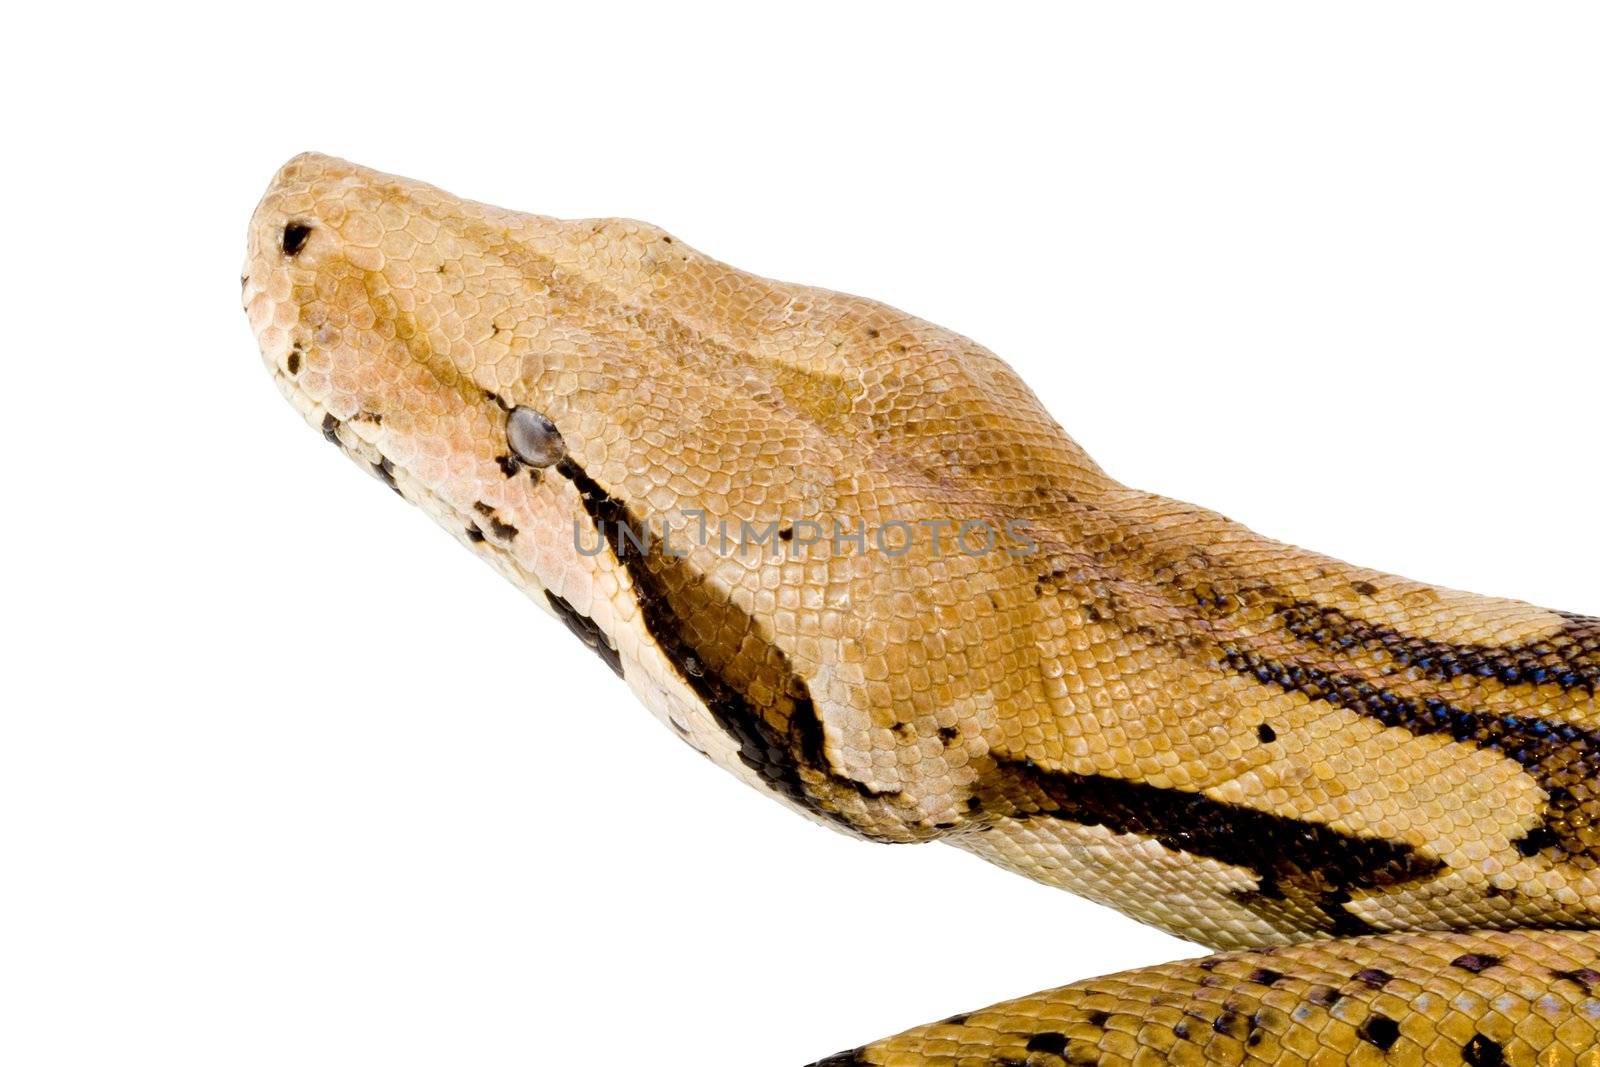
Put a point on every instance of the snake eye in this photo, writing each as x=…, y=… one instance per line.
x=534, y=439
x=294, y=238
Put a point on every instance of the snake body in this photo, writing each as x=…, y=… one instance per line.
x=1377, y=797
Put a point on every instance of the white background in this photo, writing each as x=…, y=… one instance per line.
x=286, y=778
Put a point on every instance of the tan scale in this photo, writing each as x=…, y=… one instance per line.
x=1237, y=741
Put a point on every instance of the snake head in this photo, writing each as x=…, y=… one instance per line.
x=456, y=350
x=539, y=386
x=451, y=349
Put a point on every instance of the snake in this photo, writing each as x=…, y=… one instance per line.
x=847, y=555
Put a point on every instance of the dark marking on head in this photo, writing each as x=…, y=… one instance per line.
x=330, y=430
x=509, y=464
x=293, y=362
x=948, y=734
x=1099, y=1018
x=1379, y=1030
x=294, y=237
x=474, y=534
x=504, y=531
x=494, y=397
x=777, y=728
x=1372, y=976
x=1309, y=861
x=384, y=469
x=1266, y=734
x=1476, y=962
x=1482, y=1052
x=1364, y=588
x=591, y=635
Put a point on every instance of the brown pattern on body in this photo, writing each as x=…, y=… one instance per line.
x=1404, y=1000
x=1234, y=739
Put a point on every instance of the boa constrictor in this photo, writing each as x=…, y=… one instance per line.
x=849, y=557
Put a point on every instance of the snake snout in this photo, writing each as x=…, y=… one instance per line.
x=321, y=266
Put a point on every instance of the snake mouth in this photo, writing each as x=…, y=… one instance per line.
x=347, y=435
x=358, y=437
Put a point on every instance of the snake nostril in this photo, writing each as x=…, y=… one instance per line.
x=294, y=237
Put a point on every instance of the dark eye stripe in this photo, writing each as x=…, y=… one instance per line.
x=779, y=754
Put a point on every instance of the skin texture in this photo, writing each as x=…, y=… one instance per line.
x=1238, y=741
